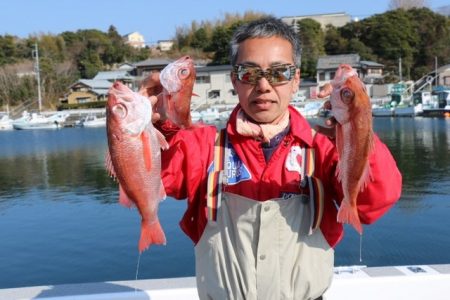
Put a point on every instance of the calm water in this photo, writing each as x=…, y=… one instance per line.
x=61, y=223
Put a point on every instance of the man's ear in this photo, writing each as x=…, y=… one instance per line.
x=233, y=79
x=296, y=80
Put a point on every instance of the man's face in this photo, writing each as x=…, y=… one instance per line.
x=264, y=102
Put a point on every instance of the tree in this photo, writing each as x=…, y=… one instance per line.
x=334, y=42
x=312, y=40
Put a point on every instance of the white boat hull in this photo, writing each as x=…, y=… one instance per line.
x=353, y=282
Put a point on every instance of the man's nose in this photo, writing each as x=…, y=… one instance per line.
x=263, y=85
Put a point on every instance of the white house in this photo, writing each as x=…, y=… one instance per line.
x=135, y=39
x=164, y=45
x=213, y=85
x=338, y=19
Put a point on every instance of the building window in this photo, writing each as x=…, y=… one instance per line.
x=214, y=94
x=83, y=99
x=321, y=76
x=202, y=79
x=332, y=75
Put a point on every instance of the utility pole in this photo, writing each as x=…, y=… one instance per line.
x=436, y=77
x=35, y=53
x=400, y=69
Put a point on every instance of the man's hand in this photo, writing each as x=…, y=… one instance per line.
x=328, y=130
x=151, y=88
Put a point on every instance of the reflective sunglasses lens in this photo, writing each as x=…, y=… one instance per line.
x=248, y=75
x=280, y=74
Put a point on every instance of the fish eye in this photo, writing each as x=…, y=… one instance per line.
x=120, y=111
x=347, y=95
x=184, y=72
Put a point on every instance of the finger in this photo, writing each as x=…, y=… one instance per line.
x=325, y=91
x=330, y=132
x=151, y=85
x=327, y=105
x=331, y=122
x=156, y=117
x=153, y=99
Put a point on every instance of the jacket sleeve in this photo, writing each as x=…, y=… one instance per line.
x=184, y=164
x=385, y=187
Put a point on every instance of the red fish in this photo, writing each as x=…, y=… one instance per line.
x=134, y=158
x=178, y=79
x=351, y=107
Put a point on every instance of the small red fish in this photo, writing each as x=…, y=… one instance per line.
x=351, y=107
x=134, y=158
x=178, y=79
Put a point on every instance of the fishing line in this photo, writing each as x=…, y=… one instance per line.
x=360, y=248
x=137, y=270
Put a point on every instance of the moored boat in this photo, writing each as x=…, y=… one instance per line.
x=39, y=121
x=6, y=123
x=93, y=121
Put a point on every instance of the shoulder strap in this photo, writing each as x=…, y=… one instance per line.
x=315, y=186
x=214, y=188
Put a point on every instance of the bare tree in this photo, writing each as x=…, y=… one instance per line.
x=407, y=4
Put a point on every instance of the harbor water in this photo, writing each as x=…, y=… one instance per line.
x=60, y=221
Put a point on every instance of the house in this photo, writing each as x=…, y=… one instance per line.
x=213, y=85
x=443, y=73
x=370, y=72
x=87, y=90
x=338, y=19
x=96, y=89
x=164, y=45
x=134, y=39
x=144, y=68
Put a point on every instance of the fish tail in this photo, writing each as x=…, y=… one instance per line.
x=151, y=233
x=348, y=214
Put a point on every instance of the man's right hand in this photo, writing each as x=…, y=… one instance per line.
x=151, y=88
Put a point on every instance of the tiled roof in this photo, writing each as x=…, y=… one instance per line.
x=95, y=84
x=153, y=62
x=333, y=61
x=113, y=75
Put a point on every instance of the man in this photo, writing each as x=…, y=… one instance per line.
x=261, y=226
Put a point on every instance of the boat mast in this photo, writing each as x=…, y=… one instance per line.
x=38, y=75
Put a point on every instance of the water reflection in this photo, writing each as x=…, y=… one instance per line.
x=420, y=147
x=68, y=160
x=73, y=159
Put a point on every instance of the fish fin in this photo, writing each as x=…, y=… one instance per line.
x=339, y=149
x=162, y=140
x=151, y=233
x=123, y=198
x=349, y=215
x=162, y=191
x=147, y=149
x=109, y=165
x=366, y=177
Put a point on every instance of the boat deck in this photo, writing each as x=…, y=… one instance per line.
x=353, y=282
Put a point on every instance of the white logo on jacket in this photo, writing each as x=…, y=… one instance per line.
x=294, y=160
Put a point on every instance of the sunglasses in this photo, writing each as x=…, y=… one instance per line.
x=275, y=75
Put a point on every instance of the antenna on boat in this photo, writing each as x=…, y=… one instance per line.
x=35, y=54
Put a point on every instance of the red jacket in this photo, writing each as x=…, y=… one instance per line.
x=191, y=152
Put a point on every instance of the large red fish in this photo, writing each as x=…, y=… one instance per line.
x=351, y=107
x=178, y=79
x=134, y=158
